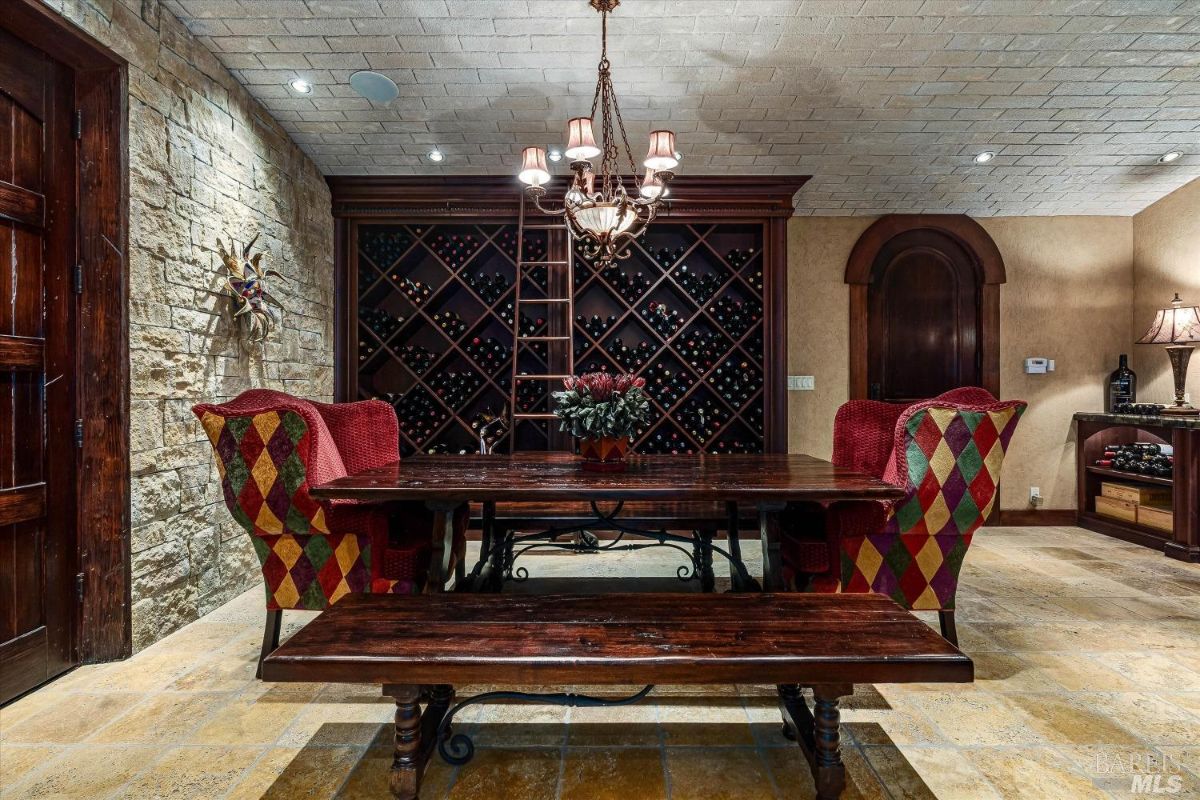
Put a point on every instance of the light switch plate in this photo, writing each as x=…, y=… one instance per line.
x=801, y=383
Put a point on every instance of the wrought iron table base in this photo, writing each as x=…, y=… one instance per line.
x=498, y=553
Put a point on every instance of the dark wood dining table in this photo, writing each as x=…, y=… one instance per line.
x=768, y=481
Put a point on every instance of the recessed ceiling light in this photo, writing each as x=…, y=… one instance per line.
x=1167, y=158
x=300, y=85
x=436, y=155
x=375, y=87
x=984, y=157
x=554, y=155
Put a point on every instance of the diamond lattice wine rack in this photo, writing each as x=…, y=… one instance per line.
x=426, y=306
x=684, y=311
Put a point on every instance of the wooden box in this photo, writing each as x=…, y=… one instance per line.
x=1158, y=517
x=1117, y=509
x=1142, y=495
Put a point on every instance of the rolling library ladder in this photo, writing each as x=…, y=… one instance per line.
x=555, y=298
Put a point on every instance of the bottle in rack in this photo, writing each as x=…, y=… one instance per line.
x=488, y=353
x=1121, y=387
x=419, y=414
x=451, y=323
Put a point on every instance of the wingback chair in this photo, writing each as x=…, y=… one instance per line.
x=946, y=453
x=270, y=449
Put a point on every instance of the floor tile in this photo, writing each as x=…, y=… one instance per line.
x=719, y=774
x=197, y=773
x=613, y=774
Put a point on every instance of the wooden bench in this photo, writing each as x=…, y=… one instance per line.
x=417, y=648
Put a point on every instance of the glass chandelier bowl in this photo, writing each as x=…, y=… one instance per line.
x=598, y=206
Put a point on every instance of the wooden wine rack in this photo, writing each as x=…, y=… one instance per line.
x=381, y=248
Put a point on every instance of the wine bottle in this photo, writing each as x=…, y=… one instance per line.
x=1122, y=385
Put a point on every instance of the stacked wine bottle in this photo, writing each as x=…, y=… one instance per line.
x=1139, y=458
x=453, y=248
x=454, y=388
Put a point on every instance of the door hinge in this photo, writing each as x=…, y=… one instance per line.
x=79, y=433
x=79, y=584
x=77, y=124
x=77, y=279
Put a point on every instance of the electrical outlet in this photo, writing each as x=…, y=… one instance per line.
x=1035, y=496
x=801, y=383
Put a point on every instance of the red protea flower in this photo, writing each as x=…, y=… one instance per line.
x=599, y=385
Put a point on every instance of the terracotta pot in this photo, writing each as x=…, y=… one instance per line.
x=604, y=454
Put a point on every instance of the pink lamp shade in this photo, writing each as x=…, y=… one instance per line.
x=581, y=142
x=662, y=151
x=1175, y=325
x=652, y=186
x=534, y=171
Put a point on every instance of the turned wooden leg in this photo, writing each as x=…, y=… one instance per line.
x=828, y=772
x=270, y=637
x=815, y=730
x=404, y=780
x=946, y=618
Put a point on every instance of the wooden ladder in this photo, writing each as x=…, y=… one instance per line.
x=559, y=297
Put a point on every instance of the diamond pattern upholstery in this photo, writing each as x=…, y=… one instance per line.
x=947, y=454
x=269, y=448
x=950, y=459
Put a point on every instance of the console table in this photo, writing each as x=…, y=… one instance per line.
x=1095, y=431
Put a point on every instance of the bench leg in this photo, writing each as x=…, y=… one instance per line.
x=816, y=731
x=408, y=760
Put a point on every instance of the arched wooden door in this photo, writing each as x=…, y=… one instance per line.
x=924, y=308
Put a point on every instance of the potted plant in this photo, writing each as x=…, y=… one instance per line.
x=602, y=411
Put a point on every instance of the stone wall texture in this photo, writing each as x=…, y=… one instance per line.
x=206, y=161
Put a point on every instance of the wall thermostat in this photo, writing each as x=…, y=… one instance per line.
x=1039, y=366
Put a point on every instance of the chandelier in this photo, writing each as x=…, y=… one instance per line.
x=597, y=207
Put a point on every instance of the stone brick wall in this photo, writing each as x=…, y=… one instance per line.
x=206, y=160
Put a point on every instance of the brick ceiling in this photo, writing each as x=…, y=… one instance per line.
x=884, y=102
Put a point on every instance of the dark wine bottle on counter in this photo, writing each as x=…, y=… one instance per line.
x=1122, y=386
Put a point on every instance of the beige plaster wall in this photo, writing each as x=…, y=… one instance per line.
x=1166, y=259
x=1067, y=298
x=205, y=161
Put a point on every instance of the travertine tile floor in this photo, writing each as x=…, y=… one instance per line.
x=1087, y=652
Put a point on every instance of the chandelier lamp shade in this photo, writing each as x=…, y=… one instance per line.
x=1177, y=327
x=604, y=207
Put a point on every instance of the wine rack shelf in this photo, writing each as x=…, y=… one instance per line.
x=684, y=310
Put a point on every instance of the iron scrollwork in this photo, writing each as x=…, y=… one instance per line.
x=458, y=749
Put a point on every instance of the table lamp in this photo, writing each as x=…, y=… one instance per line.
x=1176, y=327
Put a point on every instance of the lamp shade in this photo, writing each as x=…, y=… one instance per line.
x=652, y=186
x=1175, y=325
x=534, y=171
x=661, y=155
x=581, y=142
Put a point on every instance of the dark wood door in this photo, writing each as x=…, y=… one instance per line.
x=923, y=318
x=37, y=370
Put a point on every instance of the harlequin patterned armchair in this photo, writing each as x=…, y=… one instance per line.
x=947, y=454
x=270, y=448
